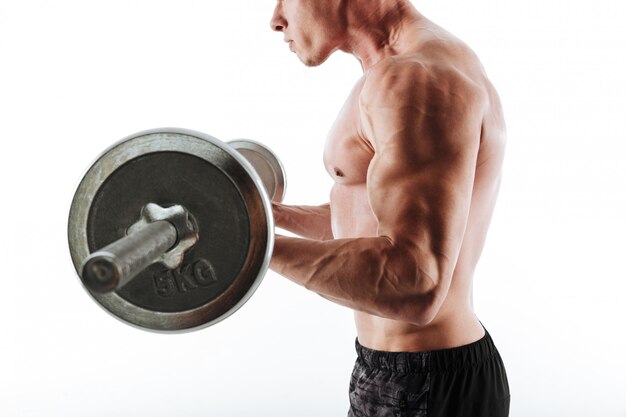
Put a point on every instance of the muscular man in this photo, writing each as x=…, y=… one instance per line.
x=416, y=155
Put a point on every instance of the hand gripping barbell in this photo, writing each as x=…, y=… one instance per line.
x=172, y=229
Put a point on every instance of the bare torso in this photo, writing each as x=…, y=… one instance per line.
x=347, y=157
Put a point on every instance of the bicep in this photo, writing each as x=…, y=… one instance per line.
x=423, y=203
x=421, y=178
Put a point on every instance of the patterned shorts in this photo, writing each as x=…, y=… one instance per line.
x=467, y=381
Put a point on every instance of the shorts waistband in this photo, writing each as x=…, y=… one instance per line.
x=428, y=361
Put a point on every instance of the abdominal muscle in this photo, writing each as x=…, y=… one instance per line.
x=455, y=324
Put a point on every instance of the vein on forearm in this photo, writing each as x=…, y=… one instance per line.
x=311, y=222
x=367, y=274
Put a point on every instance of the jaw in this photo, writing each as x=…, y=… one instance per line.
x=313, y=60
x=315, y=54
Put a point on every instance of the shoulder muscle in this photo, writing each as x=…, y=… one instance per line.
x=415, y=94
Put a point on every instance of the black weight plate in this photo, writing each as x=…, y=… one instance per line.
x=214, y=201
x=222, y=193
x=266, y=164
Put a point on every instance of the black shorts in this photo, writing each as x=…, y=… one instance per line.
x=467, y=381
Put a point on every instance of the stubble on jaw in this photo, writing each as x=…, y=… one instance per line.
x=312, y=61
x=307, y=61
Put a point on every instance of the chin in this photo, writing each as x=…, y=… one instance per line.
x=310, y=62
x=313, y=60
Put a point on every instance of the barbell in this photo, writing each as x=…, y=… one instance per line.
x=172, y=229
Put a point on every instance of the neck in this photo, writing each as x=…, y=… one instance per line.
x=376, y=29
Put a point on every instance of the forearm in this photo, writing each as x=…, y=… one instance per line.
x=310, y=222
x=367, y=274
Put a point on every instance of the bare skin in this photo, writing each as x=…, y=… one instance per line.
x=416, y=155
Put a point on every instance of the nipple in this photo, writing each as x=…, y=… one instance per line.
x=338, y=172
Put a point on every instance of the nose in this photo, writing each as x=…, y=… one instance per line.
x=278, y=22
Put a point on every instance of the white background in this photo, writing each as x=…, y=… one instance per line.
x=76, y=76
